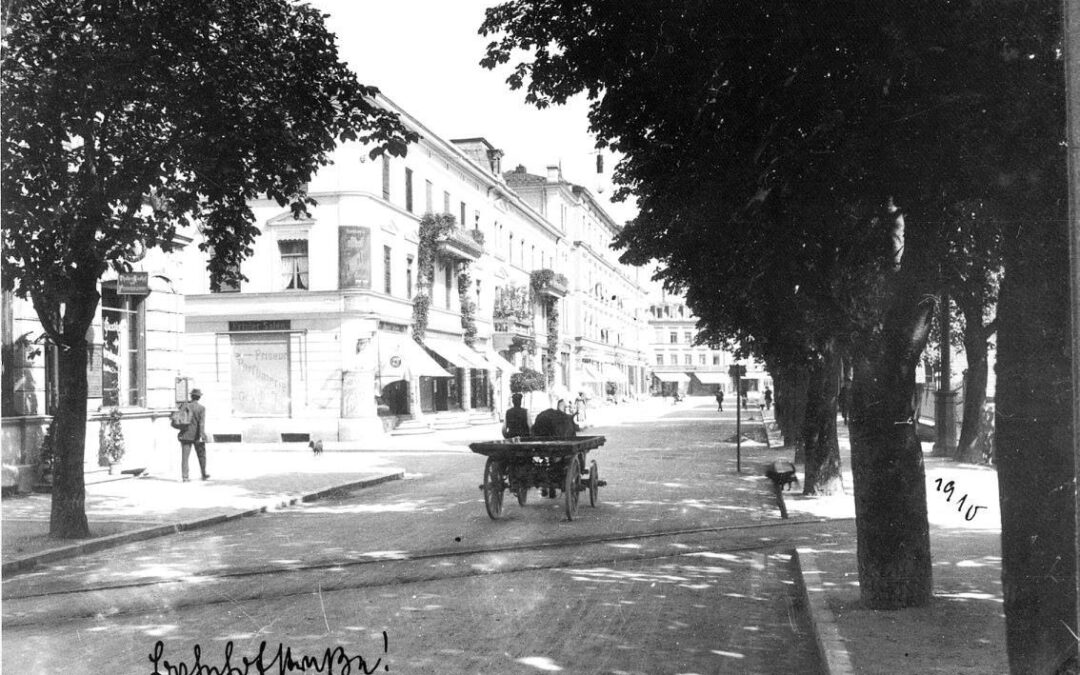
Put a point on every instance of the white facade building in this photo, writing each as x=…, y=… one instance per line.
x=318, y=342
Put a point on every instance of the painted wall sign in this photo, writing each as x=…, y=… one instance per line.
x=354, y=255
x=260, y=375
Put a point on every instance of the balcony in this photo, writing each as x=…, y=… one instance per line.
x=511, y=329
x=550, y=284
x=460, y=245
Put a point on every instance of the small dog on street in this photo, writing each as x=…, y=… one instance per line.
x=316, y=447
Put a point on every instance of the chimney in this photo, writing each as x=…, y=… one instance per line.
x=554, y=174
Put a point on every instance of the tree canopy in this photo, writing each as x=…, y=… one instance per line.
x=800, y=168
x=126, y=121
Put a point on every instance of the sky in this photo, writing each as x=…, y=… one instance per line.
x=424, y=55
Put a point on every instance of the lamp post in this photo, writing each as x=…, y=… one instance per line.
x=736, y=372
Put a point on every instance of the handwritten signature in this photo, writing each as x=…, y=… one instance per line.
x=334, y=661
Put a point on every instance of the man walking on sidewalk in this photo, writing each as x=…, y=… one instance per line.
x=194, y=434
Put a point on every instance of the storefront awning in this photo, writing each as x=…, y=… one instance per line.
x=590, y=375
x=711, y=378
x=672, y=377
x=499, y=362
x=395, y=356
x=613, y=374
x=457, y=353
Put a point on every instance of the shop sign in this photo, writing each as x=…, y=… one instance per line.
x=133, y=283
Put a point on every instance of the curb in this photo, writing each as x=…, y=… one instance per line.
x=834, y=655
x=20, y=565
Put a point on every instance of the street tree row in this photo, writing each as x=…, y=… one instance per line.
x=817, y=176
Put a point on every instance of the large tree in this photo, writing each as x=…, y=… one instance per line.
x=771, y=134
x=125, y=121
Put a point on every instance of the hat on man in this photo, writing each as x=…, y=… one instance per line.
x=196, y=393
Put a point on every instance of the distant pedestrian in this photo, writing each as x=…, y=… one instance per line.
x=844, y=399
x=768, y=398
x=745, y=401
x=579, y=406
x=194, y=434
x=720, y=400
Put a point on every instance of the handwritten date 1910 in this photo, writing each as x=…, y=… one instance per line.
x=949, y=489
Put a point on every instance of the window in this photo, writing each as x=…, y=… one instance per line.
x=449, y=284
x=408, y=191
x=716, y=359
x=446, y=205
x=659, y=359
x=408, y=276
x=688, y=359
x=387, y=278
x=673, y=338
x=688, y=337
x=294, y=264
x=510, y=250
x=463, y=223
x=385, y=177
x=701, y=359
x=428, y=208
x=123, y=330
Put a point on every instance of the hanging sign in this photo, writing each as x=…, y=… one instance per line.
x=133, y=283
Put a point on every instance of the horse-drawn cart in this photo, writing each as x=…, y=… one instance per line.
x=544, y=462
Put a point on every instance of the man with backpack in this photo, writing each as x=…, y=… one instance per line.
x=190, y=419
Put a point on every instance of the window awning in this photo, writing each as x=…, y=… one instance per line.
x=711, y=378
x=395, y=356
x=457, y=353
x=672, y=377
x=499, y=362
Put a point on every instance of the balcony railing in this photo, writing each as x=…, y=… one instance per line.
x=459, y=244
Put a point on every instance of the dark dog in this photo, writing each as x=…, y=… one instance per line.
x=782, y=474
x=316, y=447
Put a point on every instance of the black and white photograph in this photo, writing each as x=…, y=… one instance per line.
x=516, y=337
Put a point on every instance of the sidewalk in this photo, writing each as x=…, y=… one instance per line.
x=244, y=480
x=963, y=628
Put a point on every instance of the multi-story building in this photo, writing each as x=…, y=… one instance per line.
x=605, y=354
x=681, y=366
x=318, y=342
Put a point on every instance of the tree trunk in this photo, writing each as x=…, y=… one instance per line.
x=969, y=449
x=822, y=473
x=1034, y=453
x=893, y=532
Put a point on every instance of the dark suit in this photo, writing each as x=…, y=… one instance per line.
x=194, y=434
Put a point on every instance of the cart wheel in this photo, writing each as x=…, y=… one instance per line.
x=572, y=487
x=594, y=483
x=494, y=485
x=522, y=495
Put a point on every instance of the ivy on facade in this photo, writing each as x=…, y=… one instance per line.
x=468, y=307
x=552, y=340
x=110, y=439
x=433, y=227
x=539, y=279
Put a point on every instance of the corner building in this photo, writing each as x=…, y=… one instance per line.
x=318, y=342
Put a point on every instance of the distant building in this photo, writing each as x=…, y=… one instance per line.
x=696, y=370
